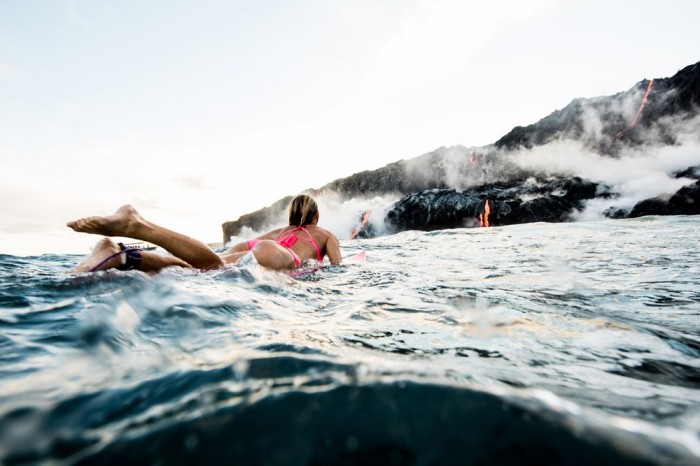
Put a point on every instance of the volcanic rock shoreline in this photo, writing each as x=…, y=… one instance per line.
x=455, y=187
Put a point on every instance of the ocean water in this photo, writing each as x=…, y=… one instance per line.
x=574, y=343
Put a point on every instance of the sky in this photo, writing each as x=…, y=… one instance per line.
x=199, y=111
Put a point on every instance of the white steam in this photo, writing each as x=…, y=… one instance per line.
x=340, y=216
x=343, y=216
x=636, y=174
x=456, y=167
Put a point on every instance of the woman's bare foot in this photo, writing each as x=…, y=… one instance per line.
x=122, y=223
x=104, y=249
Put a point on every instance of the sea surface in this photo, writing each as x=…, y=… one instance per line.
x=574, y=343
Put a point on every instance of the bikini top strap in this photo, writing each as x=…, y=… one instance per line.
x=313, y=242
x=287, y=233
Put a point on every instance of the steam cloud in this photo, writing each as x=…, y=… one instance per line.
x=635, y=172
x=582, y=140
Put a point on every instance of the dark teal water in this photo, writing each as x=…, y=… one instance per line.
x=535, y=344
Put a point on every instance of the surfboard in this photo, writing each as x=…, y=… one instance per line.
x=357, y=258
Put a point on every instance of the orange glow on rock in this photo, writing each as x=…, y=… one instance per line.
x=363, y=222
x=484, y=216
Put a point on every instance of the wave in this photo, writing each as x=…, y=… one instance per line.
x=211, y=417
x=535, y=344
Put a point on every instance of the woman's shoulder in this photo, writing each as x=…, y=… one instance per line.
x=273, y=233
x=316, y=230
x=325, y=234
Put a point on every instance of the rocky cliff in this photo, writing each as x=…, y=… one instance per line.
x=506, y=183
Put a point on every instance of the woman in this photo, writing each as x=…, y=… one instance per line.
x=280, y=249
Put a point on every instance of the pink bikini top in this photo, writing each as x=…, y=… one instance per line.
x=289, y=239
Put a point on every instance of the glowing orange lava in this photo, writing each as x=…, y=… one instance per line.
x=363, y=222
x=639, y=110
x=484, y=217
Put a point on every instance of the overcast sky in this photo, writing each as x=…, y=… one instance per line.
x=199, y=111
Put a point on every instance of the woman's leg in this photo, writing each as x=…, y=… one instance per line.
x=106, y=256
x=232, y=254
x=240, y=247
x=128, y=223
x=232, y=257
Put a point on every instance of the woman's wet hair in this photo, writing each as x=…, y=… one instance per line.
x=302, y=210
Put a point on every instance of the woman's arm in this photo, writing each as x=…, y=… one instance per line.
x=333, y=249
